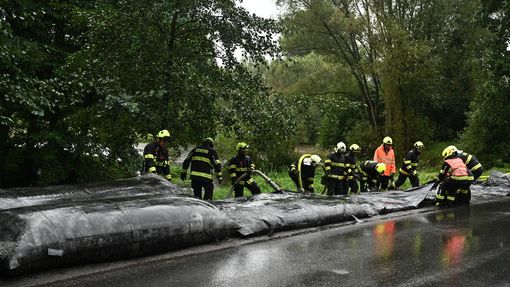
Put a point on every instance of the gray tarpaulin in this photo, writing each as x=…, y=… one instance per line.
x=42, y=228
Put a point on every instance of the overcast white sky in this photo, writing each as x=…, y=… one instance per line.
x=262, y=8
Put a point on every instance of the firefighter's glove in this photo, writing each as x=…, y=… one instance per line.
x=183, y=176
x=415, y=172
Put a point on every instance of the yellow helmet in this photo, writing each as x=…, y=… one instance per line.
x=315, y=159
x=419, y=145
x=380, y=167
x=448, y=151
x=355, y=148
x=163, y=134
x=242, y=146
x=387, y=140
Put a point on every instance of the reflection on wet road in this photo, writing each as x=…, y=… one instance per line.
x=467, y=246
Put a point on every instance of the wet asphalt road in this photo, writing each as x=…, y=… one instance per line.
x=467, y=246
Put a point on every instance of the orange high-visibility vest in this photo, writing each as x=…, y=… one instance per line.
x=387, y=158
x=458, y=168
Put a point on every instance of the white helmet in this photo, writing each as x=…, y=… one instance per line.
x=315, y=159
x=340, y=147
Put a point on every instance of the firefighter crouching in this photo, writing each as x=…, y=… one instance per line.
x=302, y=172
x=370, y=172
x=239, y=165
x=204, y=160
x=455, y=180
x=410, y=166
x=156, y=155
x=335, y=170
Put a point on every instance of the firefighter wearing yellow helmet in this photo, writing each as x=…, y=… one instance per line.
x=302, y=172
x=239, y=165
x=410, y=166
x=156, y=155
x=455, y=180
x=370, y=172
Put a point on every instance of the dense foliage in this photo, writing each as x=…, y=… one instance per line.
x=82, y=82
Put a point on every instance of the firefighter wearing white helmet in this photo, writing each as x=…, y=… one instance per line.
x=410, y=166
x=302, y=172
x=352, y=167
x=156, y=155
x=336, y=170
x=470, y=160
x=385, y=154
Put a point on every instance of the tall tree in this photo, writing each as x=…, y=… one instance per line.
x=83, y=80
x=488, y=131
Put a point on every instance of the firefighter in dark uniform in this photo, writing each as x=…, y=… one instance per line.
x=239, y=165
x=352, y=167
x=409, y=168
x=203, y=160
x=335, y=170
x=471, y=162
x=302, y=172
x=370, y=172
x=156, y=155
x=455, y=180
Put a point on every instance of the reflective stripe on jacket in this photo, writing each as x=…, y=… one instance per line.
x=457, y=168
x=387, y=158
x=203, y=161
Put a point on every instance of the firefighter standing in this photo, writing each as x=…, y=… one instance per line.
x=156, y=155
x=335, y=170
x=409, y=168
x=455, y=179
x=239, y=165
x=352, y=167
x=370, y=172
x=302, y=172
x=385, y=154
x=203, y=159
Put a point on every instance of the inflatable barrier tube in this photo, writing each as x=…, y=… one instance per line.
x=138, y=186
x=41, y=228
x=64, y=234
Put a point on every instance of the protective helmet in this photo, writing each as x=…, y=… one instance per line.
x=418, y=145
x=454, y=148
x=448, y=151
x=209, y=141
x=315, y=159
x=380, y=167
x=163, y=134
x=387, y=140
x=355, y=148
x=242, y=146
x=340, y=147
